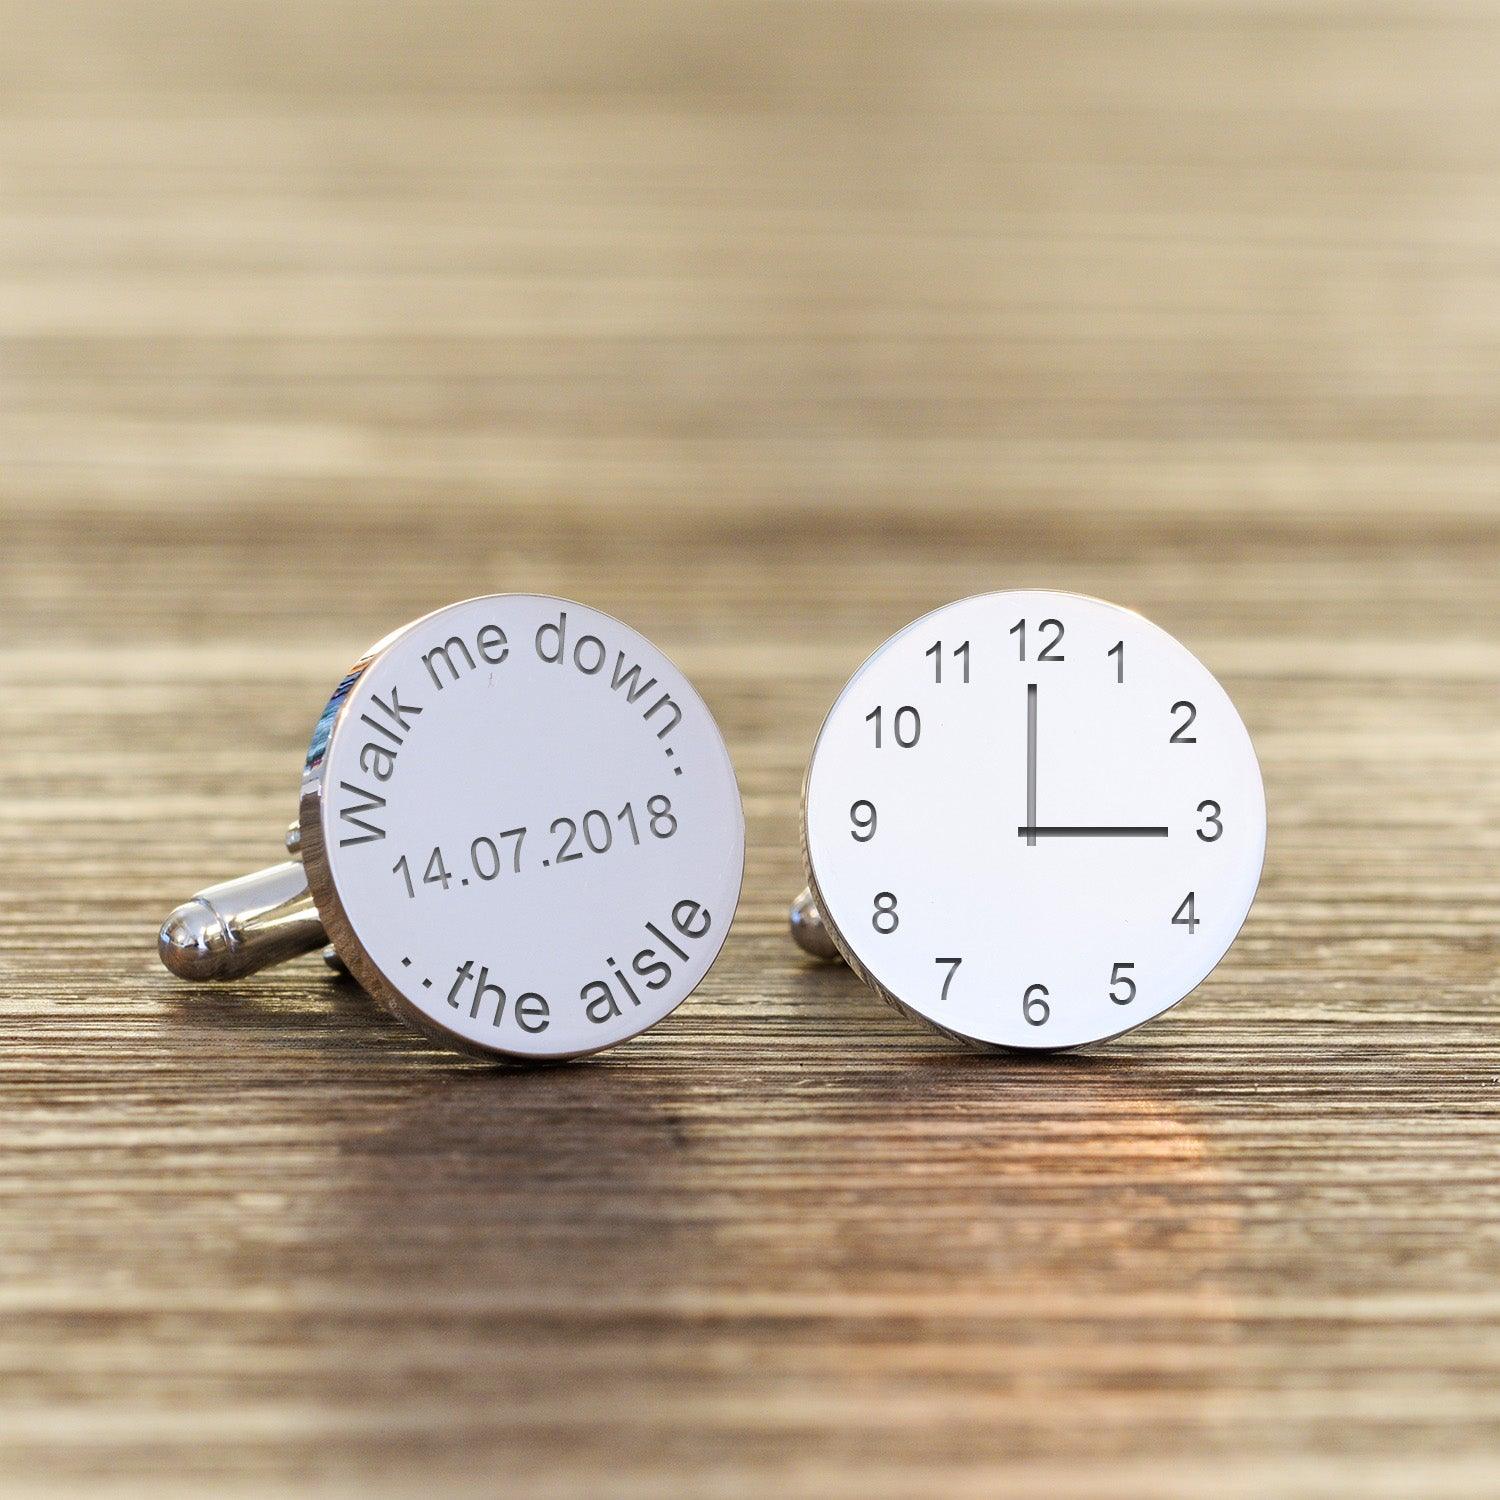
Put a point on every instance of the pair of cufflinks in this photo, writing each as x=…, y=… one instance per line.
x=1031, y=819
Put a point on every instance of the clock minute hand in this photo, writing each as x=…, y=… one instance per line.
x=1030, y=829
x=1031, y=833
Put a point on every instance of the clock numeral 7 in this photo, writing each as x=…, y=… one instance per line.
x=1048, y=646
x=953, y=964
x=1186, y=915
x=935, y=651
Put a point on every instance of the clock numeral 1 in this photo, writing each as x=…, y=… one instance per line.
x=906, y=726
x=1034, y=1005
x=1118, y=651
x=935, y=651
x=1117, y=977
x=1186, y=915
x=953, y=964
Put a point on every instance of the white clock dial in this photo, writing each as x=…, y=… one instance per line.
x=1034, y=819
x=522, y=828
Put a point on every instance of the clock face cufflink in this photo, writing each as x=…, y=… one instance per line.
x=1032, y=819
x=519, y=829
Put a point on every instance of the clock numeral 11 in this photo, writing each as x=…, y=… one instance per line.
x=959, y=653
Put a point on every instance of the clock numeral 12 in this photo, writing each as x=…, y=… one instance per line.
x=1048, y=646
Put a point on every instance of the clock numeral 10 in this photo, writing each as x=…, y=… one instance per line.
x=1186, y=915
x=935, y=651
x=906, y=726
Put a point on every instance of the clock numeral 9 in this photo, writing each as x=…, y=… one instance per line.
x=1186, y=915
x=906, y=726
x=1212, y=818
x=1034, y=1005
x=1180, y=735
x=1048, y=646
x=863, y=818
x=935, y=651
x=884, y=919
x=1117, y=977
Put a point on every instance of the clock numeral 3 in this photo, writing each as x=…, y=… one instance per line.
x=1034, y=1005
x=1116, y=978
x=1048, y=646
x=884, y=919
x=1186, y=915
x=906, y=726
x=1212, y=818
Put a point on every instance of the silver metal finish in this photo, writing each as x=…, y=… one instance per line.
x=232, y=929
x=519, y=829
x=809, y=931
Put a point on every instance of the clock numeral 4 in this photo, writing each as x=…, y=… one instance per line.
x=1049, y=651
x=1034, y=1005
x=906, y=726
x=1117, y=977
x=1186, y=915
x=1213, y=818
x=959, y=653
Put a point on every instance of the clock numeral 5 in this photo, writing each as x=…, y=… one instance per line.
x=1117, y=977
x=1048, y=646
x=906, y=726
x=1034, y=1005
x=1186, y=915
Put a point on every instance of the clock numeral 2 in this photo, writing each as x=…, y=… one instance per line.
x=906, y=726
x=1048, y=646
x=1186, y=915
x=1180, y=735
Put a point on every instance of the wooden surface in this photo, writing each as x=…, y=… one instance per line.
x=765, y=326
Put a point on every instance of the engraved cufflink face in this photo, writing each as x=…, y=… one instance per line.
x=1032, y=819
x=521, y=828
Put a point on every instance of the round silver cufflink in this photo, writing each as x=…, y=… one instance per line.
x=519, y=829
x=1031, y=819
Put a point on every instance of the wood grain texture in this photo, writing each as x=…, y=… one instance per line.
x=765, y=326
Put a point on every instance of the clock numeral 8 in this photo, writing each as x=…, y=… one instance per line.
x=1034, y=1005
x=884, y=919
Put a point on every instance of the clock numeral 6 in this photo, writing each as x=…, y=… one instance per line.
x=863, y=819
x=1186, y=915
x=1117, y=977
x=1034, y=1005
x=1212, y=818
x=906, y=726
x=1048, y=646
x=884, y=919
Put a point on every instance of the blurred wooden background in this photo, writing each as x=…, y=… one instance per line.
x=765, y=326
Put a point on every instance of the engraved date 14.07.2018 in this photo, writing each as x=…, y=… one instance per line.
x=505, y=852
